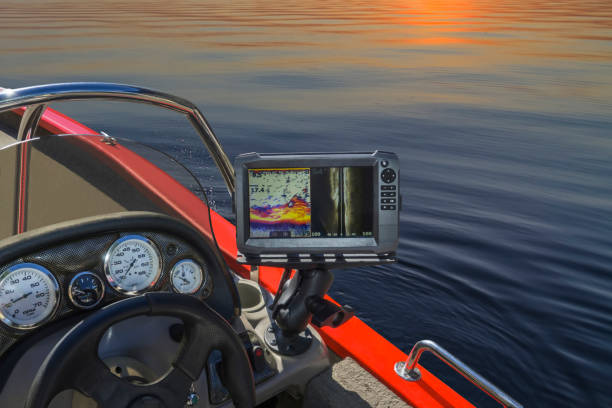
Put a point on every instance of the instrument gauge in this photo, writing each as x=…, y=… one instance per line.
x=187, y=276
x=132, y=264
x=29, y=295
x=86, y=290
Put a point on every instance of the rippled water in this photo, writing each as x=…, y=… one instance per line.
x=499, y=110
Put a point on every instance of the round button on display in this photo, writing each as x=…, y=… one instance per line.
x=388, y=175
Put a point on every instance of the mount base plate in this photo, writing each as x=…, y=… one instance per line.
x=287, y=346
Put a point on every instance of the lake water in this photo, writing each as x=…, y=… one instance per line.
x=500, y=111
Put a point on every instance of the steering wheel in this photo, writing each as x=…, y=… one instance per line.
x=74, y=363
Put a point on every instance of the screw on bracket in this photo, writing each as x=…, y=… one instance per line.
x=111, y=141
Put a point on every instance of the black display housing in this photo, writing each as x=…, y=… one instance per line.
x=383, y=201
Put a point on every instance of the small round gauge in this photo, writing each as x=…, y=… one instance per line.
x=187, y=276
x=132, y=264
x=86, y=290
x=29, y=295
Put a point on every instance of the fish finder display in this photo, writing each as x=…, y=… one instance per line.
x=325, y=202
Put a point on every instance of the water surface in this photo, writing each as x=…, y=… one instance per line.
x=499, y=111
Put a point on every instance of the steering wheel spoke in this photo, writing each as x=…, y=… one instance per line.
x=98, y=382
x=108, y=390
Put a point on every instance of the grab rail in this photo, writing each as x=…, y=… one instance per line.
x=409, y=371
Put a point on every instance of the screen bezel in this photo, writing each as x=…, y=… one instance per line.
x=311, y=245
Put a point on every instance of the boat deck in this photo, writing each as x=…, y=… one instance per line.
x=347, y=384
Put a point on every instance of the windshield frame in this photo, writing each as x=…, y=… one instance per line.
x=34, y=99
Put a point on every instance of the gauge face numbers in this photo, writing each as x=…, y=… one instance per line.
x=28, y=295
x=86, y=290
x=132, y=264
x=187, y=276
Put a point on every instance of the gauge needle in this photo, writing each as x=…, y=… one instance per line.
x=130, y=267
x=13, y=301
x=184, y=280
x=25, y=295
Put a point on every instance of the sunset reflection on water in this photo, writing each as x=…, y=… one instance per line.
x=390, y=42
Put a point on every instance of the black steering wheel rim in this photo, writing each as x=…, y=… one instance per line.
x=74, y=363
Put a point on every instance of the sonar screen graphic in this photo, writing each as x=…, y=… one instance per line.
x=318, y=202
x=279, y=203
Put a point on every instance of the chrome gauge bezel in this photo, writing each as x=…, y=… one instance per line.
x=203, y=271
x=55, y=288
x=78, y=275
x=107, y=257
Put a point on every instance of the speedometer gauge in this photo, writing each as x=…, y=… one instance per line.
x=28, y=295
x=187, y=276
x=132, y=264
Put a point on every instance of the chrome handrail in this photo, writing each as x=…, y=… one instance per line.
x=43, y=94
x=409, y=371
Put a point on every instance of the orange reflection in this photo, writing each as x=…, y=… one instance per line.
x=386, y=39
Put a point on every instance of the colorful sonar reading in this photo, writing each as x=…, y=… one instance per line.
x=279, y=203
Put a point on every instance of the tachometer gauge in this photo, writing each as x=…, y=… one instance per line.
x=86, y=290
x=132, y=264
x=29, y=294
x=187, y=276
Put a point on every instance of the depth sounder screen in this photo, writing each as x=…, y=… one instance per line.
x=307, y=210
x=311, y=202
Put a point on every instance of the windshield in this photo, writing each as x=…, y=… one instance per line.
x=68, y=170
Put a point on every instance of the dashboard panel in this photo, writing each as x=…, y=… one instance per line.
x=50, y=282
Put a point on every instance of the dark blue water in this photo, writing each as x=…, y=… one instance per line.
x=499, y=110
